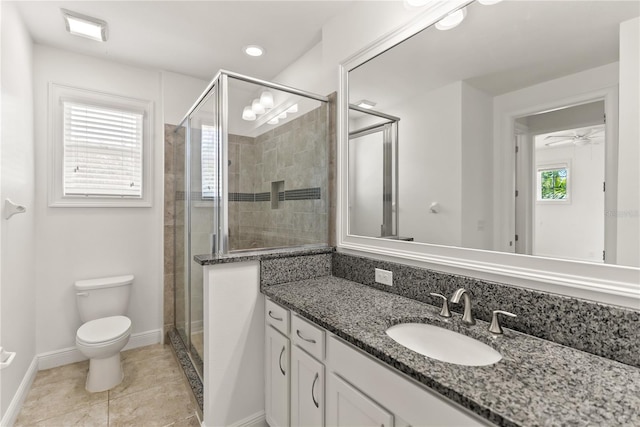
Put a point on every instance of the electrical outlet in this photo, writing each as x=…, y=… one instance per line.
x=384, y=276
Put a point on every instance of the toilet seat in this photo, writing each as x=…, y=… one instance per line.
x=103, y=331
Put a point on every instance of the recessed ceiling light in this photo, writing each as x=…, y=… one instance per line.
x=253, y=50
x=85, y=26
x=366, y=104
x=452, y=20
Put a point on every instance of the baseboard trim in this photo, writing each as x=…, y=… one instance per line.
x=15, y=406
x=66, y=356
x=256, y=420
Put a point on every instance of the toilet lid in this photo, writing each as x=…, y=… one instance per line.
x=104, y=329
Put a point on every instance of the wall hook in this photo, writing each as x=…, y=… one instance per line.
x=10, y=209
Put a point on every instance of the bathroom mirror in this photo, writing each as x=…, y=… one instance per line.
x=518, y=131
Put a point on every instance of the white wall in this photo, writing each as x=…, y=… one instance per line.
x=476, y=169
x=628, y=212
x=430, y=136
x=18, y=280
x=573, y=229
x=179, y=93
x=81, y=243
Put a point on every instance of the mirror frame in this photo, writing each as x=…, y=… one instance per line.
x=607, y=283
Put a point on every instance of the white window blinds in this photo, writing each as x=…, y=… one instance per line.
x=102, y=151
x=209, y=158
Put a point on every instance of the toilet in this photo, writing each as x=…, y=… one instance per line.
x=105, y=330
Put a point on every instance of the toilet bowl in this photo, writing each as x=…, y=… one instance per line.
x=101, y=340
x=102, y=304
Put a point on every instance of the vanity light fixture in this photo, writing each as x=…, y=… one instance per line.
x=488, y=2
x=452, y=20
x=366, y=104
x=248, y=114
x=282, y=115
x=293, y=109
x=266, y=99
x=85, y=26
x=273, y=121
x=253, y=50
x=257, y=107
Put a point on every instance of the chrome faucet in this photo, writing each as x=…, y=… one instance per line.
x=467, y=317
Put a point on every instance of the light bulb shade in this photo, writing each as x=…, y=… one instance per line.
x=248, y=114
x=488, y=2
x=273, y=121
x=257, y=107
x=266, y=99
x=452, y=20
x=293, y=109
x=282, y=115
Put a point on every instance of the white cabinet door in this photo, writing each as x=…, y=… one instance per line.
x=277, y=378
x=349, y=407
x=307, y=389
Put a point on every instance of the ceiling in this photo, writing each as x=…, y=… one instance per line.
x=195, y=38
x=497, y=49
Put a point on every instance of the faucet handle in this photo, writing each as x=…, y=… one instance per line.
x=445, y=305
x=495, y=327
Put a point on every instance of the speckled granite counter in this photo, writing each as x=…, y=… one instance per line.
x=537, y=382
x=242, y=256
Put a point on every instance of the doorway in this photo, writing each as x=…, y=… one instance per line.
x=560, y=173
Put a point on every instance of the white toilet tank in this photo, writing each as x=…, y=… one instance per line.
x=103, y=297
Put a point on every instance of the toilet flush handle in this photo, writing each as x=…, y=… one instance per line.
x=82, y=294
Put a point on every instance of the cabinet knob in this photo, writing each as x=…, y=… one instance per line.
x=495, y=327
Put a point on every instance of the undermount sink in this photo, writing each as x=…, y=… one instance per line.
x=443, y=344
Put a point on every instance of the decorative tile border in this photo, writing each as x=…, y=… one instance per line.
x=314, y=193
x=605, y=330
x=187, y=366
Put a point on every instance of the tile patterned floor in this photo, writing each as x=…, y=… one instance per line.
x=154, y=392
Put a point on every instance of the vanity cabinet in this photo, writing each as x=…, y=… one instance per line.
x=277, y=378
x=347, y=406
x=307, y=389
x=360, y=390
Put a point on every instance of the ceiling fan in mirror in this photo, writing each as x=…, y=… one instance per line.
x=584, y=136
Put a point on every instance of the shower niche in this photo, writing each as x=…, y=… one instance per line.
x=253, y=175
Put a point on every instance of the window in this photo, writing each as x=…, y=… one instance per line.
x=100, y=149
x=209, y=159
x=553, y=183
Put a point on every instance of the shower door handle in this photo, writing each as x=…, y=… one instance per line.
x=280, y=361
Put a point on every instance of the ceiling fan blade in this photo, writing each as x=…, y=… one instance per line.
x=559, y=136
x=562, y=141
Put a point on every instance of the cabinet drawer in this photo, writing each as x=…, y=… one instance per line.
x=277, y=316
x=307, y=336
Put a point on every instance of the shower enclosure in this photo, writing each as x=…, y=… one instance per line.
x=255, y=164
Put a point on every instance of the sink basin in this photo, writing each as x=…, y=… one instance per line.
x=443, y=344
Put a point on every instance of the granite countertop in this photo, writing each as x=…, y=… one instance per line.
x=257, y=255
x=537, y=382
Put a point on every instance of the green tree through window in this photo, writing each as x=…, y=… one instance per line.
x=553, y=184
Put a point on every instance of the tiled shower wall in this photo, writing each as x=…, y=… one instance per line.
x=173, y=224
x=279, y=185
